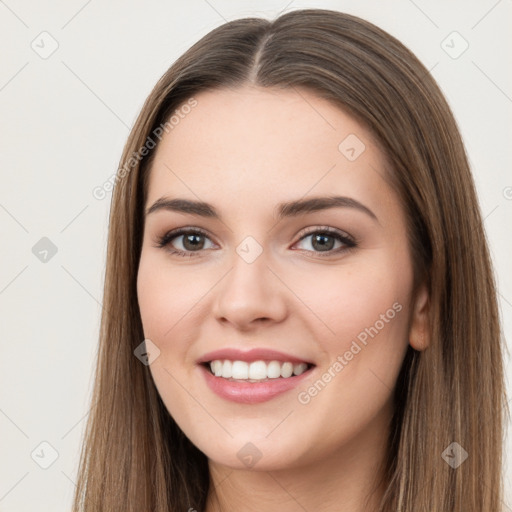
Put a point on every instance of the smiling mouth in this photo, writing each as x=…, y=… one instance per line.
x=256, y=371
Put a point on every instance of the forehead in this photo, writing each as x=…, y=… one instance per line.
x=263, y=146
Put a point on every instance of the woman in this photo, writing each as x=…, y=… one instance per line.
x=300, y=312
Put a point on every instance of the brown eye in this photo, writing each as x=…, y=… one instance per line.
x=325, y=240
x=192, y=241
x=184, y=242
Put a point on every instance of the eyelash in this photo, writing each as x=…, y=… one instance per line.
x=349, y=242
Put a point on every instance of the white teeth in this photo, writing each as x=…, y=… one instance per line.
x=300, y=368
x=274, y=370
x=239, y=370
x=216, y=367
x=255, y=371
x=227, y=368
x=286, y=370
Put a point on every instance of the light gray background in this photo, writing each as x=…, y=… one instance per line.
x=64, y=121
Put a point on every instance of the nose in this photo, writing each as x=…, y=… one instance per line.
x=250, y=294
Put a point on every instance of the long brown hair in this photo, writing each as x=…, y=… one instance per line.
x=135, y=457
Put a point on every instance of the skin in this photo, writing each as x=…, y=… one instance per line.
x=246, y=150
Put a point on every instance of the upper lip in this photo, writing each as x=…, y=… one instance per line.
x=255, y=354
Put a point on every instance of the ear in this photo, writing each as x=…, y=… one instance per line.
x=419, y=335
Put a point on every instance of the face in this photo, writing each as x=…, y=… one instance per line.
x=271, y=270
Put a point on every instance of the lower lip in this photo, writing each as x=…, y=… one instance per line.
x=251, y=393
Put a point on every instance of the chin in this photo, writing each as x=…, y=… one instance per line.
x=255, y=453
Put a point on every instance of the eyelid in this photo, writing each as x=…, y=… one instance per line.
x=325, y=229
x=168, y=236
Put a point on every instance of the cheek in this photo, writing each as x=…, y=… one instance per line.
x=165, y=297
x=356, y=297
x=171, y=303
x=366, y=309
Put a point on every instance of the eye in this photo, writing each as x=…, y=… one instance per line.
x=192, y=240
x=323, y=240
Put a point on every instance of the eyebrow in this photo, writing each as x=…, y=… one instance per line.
x=288, y=209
